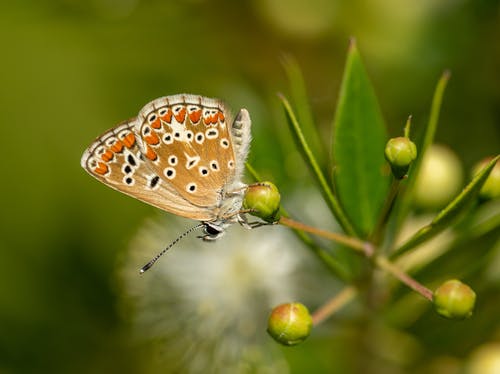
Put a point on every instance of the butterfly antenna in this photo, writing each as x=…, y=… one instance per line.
x=154, y=259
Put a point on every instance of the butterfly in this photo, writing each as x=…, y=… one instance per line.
x=184, y=154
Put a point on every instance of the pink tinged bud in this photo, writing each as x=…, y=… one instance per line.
x=263, y=199
x=290, y=324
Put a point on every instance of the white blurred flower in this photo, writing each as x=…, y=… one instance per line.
x=205, y=305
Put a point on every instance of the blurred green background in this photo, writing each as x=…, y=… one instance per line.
x=72, y=69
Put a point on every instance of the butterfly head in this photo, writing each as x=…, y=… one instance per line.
x=213, y=230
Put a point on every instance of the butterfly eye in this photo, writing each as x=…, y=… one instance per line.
x=212, y=230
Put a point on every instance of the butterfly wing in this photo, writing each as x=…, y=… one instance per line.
x=187, y=140
x=115, y=159
x=241, y=137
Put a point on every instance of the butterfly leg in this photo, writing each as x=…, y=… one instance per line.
x=243, y=221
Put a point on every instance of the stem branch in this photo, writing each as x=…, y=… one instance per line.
x=348, y=241
x=378, y=232
x=383, y=263
x=334, y=304
x=367, y=249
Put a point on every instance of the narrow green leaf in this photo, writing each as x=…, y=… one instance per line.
x=402, y=208
x=256, y=177
x=359, y=139
x=450, y=212
x=308, y=156
x=299, y=99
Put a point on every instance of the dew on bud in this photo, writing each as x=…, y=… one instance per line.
x=290, y=324
x=454, y=300
x=263, y=199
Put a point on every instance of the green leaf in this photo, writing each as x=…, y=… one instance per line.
x=309, y=158
x=299, y=99
x=450, y=212
x=403, y=206
x=358, y=147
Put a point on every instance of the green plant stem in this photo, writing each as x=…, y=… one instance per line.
x=404, y=205
x=348, y=241
x=365, y=248
x=378, y=233
x=333, y=305
x=383, y=263
x=408, y=127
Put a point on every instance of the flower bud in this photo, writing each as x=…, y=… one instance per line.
x=264, y=201
x=440, y=178
x=454, y=300
x=400, y=153
x=289, y=324
x=491, y=188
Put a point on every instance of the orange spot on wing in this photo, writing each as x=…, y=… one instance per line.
x=107, y=156
x=156, y=124
x=101, y=168
x=167, y=117
x=181, y=116
x=221, y=117
x=129, y=140
x=195, y=116
x=117, y=147
x=152, y=139
x=210, y=119
x=151, y=154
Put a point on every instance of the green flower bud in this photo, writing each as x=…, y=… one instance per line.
x=491, y=188
x=440, y=178
x=264, y=201
x=400, y=153
x=454, y=300
x=289, y=324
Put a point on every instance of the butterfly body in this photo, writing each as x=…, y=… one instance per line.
x=184, y=154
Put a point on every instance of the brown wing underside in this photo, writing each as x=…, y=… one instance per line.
x=115, y=159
